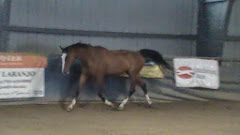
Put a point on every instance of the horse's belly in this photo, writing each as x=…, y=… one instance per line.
x=117, y=68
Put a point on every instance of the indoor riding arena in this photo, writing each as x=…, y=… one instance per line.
x=120, y=67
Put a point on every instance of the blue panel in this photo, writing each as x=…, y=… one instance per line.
x=233, y=28
x=49, y=44
x=168, y=17
x=211, y=29
x=231, y=50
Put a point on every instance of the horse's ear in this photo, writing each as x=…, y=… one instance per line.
x=61, y=48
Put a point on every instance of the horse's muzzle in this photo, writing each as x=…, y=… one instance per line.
x=65, y=73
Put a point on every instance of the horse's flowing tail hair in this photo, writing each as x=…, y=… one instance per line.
x=155, y=57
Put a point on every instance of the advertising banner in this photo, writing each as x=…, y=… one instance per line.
x=193, y=72
x=21, y=75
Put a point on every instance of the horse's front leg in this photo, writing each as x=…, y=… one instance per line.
x=83, y=79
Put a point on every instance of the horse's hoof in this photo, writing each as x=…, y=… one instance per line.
x=120, y=108
x=149, y=103
x=149, y=106
x=110, y=104
x=69, y=109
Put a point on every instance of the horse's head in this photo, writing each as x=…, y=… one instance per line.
x=70, y=53
x=67, y=59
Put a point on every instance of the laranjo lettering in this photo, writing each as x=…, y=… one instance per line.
x=18, y=74
x=10, y=58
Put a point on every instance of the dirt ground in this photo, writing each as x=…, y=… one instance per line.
x=178, y=118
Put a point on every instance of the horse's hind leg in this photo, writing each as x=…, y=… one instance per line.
x=102, y=89
x=82, y=80
x=132, y=90
x=144, y=88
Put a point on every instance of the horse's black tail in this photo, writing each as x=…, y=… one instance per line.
x=155, y=57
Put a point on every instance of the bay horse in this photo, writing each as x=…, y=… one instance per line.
x=97, y=62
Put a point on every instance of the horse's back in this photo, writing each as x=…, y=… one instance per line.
x=117, y=55
x=131, y=59
x=104, y=61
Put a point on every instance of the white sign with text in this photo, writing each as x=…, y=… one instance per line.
x=193, y=72
x=21, y=82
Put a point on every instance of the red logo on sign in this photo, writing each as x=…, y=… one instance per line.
x=185, y=72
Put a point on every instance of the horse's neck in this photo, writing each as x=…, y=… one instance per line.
x=84, y=54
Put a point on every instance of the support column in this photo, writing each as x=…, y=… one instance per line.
x=213, y=21
x=5, y=6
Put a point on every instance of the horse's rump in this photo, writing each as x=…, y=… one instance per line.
x=123, y=61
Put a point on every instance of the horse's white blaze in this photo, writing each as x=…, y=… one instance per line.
x=148, y=99
x=64, y=55
x=108, y=103
x=72, y=104
x=123, y=102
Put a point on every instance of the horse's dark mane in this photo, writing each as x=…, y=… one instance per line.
x=81, y=45
x=78, y=45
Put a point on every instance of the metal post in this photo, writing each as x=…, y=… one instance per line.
x=228, y=15
x=212, y=27
x=5, y=6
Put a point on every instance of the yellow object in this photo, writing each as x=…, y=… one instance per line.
x=149, y=72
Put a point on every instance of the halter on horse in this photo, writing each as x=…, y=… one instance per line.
x=98, y=62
